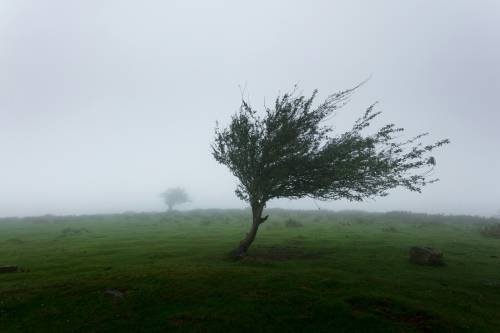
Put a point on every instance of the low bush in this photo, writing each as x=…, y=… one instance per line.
x=291, y=223
x=73, y=231
x=492, y=230
x=390, y=229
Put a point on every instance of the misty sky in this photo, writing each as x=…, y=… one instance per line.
x=104, y=104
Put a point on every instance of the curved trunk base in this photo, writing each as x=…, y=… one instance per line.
x=241, y=251
x=238, y=253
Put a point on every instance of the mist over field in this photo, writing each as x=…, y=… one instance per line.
x=249, y=166
x=104, y=105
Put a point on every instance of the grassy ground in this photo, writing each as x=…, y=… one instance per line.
x=339, y=272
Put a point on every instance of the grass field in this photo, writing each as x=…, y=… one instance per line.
x=307, y=271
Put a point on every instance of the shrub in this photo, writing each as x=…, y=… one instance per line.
x=492, y=230
x=73, y=231
x=290, y=223
x=205, y=222
x=390, y=229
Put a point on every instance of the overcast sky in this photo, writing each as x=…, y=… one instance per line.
x=104, y=104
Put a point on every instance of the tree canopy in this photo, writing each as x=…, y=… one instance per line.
x=290, y=151
x=175, y=196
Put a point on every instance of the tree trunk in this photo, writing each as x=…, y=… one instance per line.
x=257, y=220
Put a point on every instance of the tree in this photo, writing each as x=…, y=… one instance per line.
x=290, y=152
x=175, y=196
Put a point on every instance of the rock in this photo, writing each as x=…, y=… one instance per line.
x=9, y=269
x=422, y=255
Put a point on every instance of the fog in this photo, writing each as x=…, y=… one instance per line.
x=105, y=104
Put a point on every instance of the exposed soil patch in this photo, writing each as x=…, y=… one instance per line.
x=397, y=312
x=183, y=318
x=283, y=253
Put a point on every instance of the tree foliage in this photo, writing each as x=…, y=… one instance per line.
x=290, y=151
x=175, y=196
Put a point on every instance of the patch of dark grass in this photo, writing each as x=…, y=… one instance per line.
x=206, y=222
x=284, y=253
x=397, y=312
x=74, y=231
x=427, y=224
x=14, y=241
x=344, y=223
x=363, y=221
x=272, y=225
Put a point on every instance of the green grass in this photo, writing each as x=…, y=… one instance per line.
x=339, y=272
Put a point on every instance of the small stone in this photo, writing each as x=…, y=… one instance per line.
x=115, y=293
x=9, y=269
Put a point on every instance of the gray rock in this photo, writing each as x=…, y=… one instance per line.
x=423, y=255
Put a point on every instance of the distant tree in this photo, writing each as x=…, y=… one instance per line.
x=290, y=152
x=175, y=196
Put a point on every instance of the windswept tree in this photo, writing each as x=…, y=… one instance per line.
x=175, y=196
x=291, y=152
